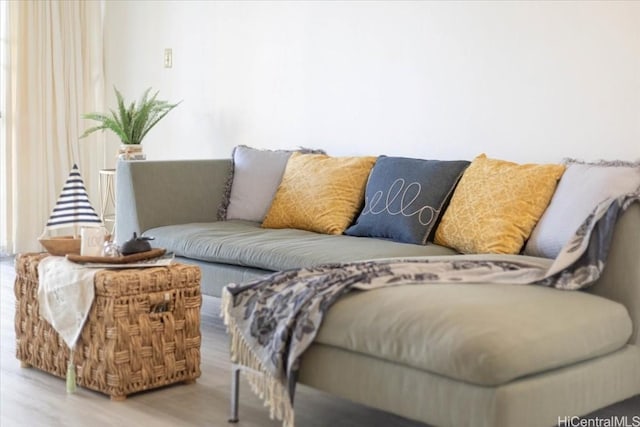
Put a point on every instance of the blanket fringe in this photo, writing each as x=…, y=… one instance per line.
x=262, y=383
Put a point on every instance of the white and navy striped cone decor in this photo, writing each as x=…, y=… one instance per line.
x=73, y=207
x=72, y=210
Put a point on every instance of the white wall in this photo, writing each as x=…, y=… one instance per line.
x=524, y=81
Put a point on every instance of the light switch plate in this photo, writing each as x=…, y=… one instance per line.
x=168, y=58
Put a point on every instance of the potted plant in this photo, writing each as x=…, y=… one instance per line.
x=132, y=123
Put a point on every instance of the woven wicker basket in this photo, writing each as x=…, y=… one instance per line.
x=143, y=330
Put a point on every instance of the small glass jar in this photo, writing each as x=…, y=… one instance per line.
x=110, y=249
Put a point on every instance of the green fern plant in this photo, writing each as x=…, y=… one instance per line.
x=132, y=123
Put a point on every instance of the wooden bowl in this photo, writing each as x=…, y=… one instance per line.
x=62, y=245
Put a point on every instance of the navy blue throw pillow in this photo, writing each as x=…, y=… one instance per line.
x=405, y=197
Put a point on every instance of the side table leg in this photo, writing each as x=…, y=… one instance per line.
x=235, y=392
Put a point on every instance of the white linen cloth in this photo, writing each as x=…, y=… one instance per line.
x=65, y=295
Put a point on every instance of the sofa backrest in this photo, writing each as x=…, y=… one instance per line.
x=620, y=280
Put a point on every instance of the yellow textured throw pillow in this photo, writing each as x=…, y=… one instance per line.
x=496, y=205
x=319, y=193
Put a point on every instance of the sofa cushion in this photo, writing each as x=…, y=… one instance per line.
x=485, y=334
x=405, y=197
x=582, y=187
x=256, y=176
x=247, y=244
x=319, y=193
x=253, y=181
x=496, y=205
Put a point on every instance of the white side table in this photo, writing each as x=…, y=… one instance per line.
x=108, y=198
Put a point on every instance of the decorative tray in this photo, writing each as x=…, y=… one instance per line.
x=123, y=259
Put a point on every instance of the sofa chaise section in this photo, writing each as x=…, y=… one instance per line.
x=351, y=367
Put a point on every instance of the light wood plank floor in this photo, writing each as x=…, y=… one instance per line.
x=32, y=398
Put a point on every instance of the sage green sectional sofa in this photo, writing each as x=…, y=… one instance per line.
x=446, y=355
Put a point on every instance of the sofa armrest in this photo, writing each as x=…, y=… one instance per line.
x=620, y=279
x=156, y=193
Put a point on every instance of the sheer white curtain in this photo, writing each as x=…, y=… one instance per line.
x=54, y=75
